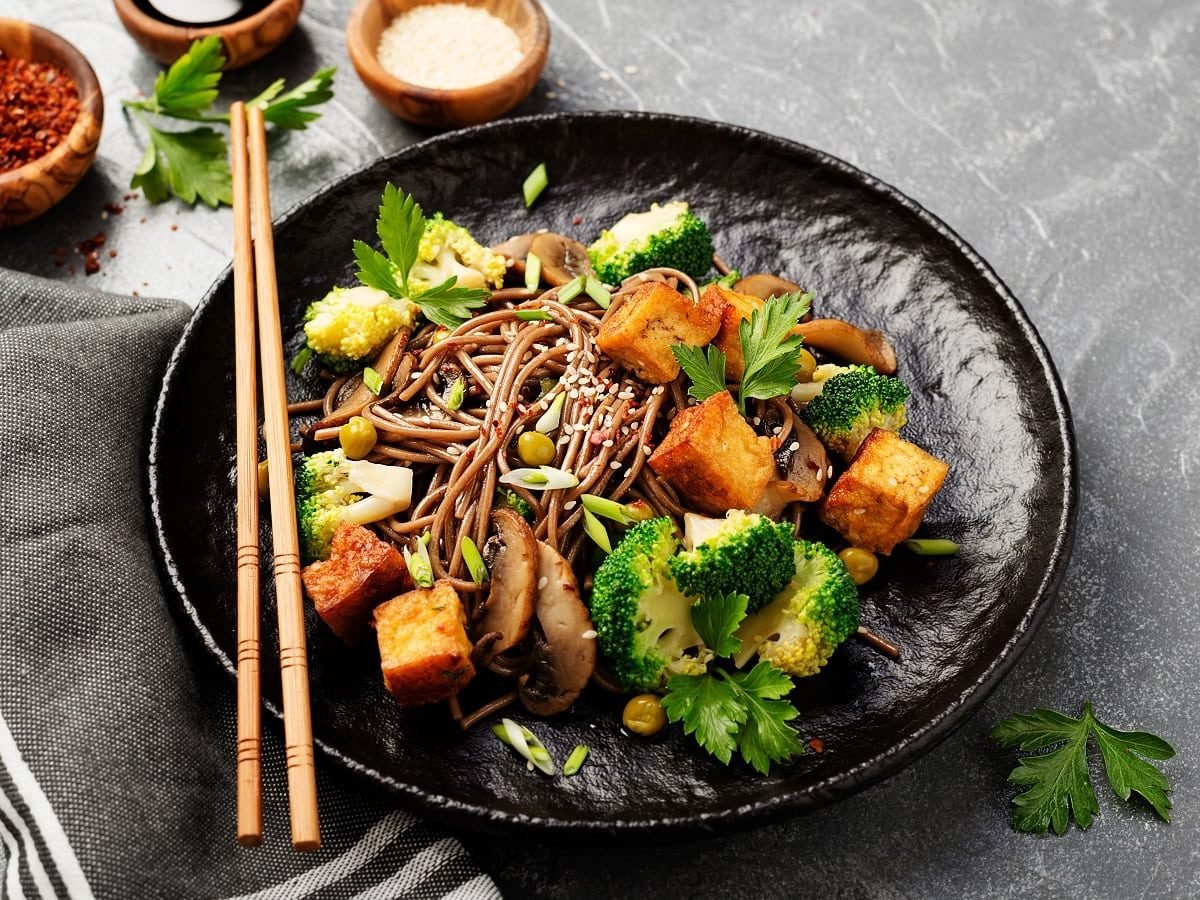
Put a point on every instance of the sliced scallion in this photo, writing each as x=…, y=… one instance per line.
x=598, y=292
x=571, y=289
x=595, y=529
x=622, y=513
x=419, y=566
x=527, y=745
x=535, y=183
x=533, y=271
x=543, y=478
x=300, y=360
x=532, y=315
x=552, y=417
x=373, y=380
x=931, y=546
x=458, y=393
x=575, y=761
x=474, y=561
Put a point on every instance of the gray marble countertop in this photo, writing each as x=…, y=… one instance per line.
x=1060, y=137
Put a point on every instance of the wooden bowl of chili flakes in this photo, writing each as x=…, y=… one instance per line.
x=51, y=112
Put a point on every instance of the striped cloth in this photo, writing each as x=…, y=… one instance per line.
x=116, y=744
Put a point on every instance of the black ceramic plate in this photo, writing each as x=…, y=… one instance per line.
x=985, y=397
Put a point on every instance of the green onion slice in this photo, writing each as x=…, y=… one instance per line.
x=474, y=561
x=373, y=380
x=575, y=761
x=300, y=360
x=543, y=478
x=458, y=393
x=526, y=743
x=535, y=183
x=419, y=565
x=571, y=289
x=594, y=529
x=931, y=546
x=598, y=292
x=552, y=417
x=532, y=315
x=533, y=271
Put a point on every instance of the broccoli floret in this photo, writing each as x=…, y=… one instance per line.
x=744, y=553
x=799, y=630
x=331, y=490
x=349, y=325
x=643, y=621
x=515, y=502
x=668, y=235
x=448, y=249
x=851, y=403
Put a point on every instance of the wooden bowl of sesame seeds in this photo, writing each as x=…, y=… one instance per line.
x=420, y=98
x=44, y=70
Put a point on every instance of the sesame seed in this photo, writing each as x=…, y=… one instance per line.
x=589, y=635
x=892, y=482
x=647, y=449
x=794, y=446
x=542, y=582
x=607, y=443
x=615, y=464
x=565, y=439
x=923, y=489
x=859, y=511
x=829, y=474
x=757, y=420
x=427, y=420
x=570, y=505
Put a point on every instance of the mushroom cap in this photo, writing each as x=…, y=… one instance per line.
x=563, y=258
x=764, y=285
x=515, y=249
x=862, y=346
x=564, y=659
x=509, y=607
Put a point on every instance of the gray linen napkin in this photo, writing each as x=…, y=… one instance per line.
x=116, y=743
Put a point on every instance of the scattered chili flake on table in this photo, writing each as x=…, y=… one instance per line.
x=38, y=105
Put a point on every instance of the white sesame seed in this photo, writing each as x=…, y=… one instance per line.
x=794, y=446
x=923, y=489
x=427, y=420
x=607, y=443
x=777, y=429
x=570, y=505
x=542, y=582
x=892, y=482
x=829, y=473
x=647, y=449
x=615, y=464
x=565, y=439
x=589, y=635
x=757, y=420
x=859, y=511
x=415, y=376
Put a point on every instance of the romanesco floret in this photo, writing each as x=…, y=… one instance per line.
x=331, y=489
x=643, y=621
x=448, y=249
x=744, y=553
x=852, y=403
x=668, y=235
x=349, y=325
x=799, y=630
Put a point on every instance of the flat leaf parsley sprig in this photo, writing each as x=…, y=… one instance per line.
x=193, y=165
x=400, y=226
x=1059, y=785
x=728, y=711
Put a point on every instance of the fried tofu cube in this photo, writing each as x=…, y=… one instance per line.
x=882, y=496
x=361, y=571
x=641, y=331
x=728, y=339
x=713, y=458
x=424, y=650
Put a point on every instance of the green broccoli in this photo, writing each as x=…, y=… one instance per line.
x=348, y=326
x=643, y=622
x=799, y=630
x=851, y=403
x=332, y=490
x=448, y=249
x=744, y=553
x=515, y=502
x=666, y=235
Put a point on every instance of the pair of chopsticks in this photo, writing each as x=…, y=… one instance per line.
x=254, y=274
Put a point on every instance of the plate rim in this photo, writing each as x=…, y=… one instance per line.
x=889, y=761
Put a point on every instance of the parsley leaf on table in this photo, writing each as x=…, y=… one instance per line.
x=189, y=164
x=716, y=618
x=770, y=349
x=289, y=110
x=1059, y=784
x=188, y=88
x=705, y=367
x=400, y=226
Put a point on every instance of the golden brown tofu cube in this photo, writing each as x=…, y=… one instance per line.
x=361, y=571
x=641, y=331
x=728, y=339
x=713, y=458
x=424, y=650
x=882, y=496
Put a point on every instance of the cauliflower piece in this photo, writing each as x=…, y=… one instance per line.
x=448, y=249
x=349, y=325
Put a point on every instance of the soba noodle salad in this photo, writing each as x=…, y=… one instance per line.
x=540, y=468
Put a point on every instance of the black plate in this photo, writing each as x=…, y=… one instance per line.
x=985, y=397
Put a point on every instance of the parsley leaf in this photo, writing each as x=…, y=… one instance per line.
x=375, y=270
x=1059, y=784
x=716, y=618
x=400, y=226
x=770, y=349
x=765, y=737
x=288, y=110
x=705, y=367
x=188, y=88
x=189, y=164
x=709, y=710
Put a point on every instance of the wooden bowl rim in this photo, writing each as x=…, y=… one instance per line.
x=66, y=56
x=365, y=57
x=148, y=25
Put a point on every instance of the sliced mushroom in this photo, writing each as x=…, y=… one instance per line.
x=564, y=659
x=387, y=364
x=510, y=603
x=764, y=285
x=853, y=344
x=515, y=249
x=563, y=258
x=806, y=470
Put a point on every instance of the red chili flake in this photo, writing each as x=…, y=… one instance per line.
x=115, y=208
x=91, y=263
x=599, y=437
x=816, y=745
x=38, y=105
x=142, y=220
x=174, y=227
x=89, y=249
x=135, y=293
x=578, y=220
x=112, y=254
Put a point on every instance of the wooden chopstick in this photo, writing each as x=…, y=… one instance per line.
x=249, y=702
x=293, y=652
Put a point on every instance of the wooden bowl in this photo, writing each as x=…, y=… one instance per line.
x=461, y=106
x=245, y=40
x=29, y=191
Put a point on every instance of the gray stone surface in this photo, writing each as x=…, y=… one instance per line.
x=1060, y=138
